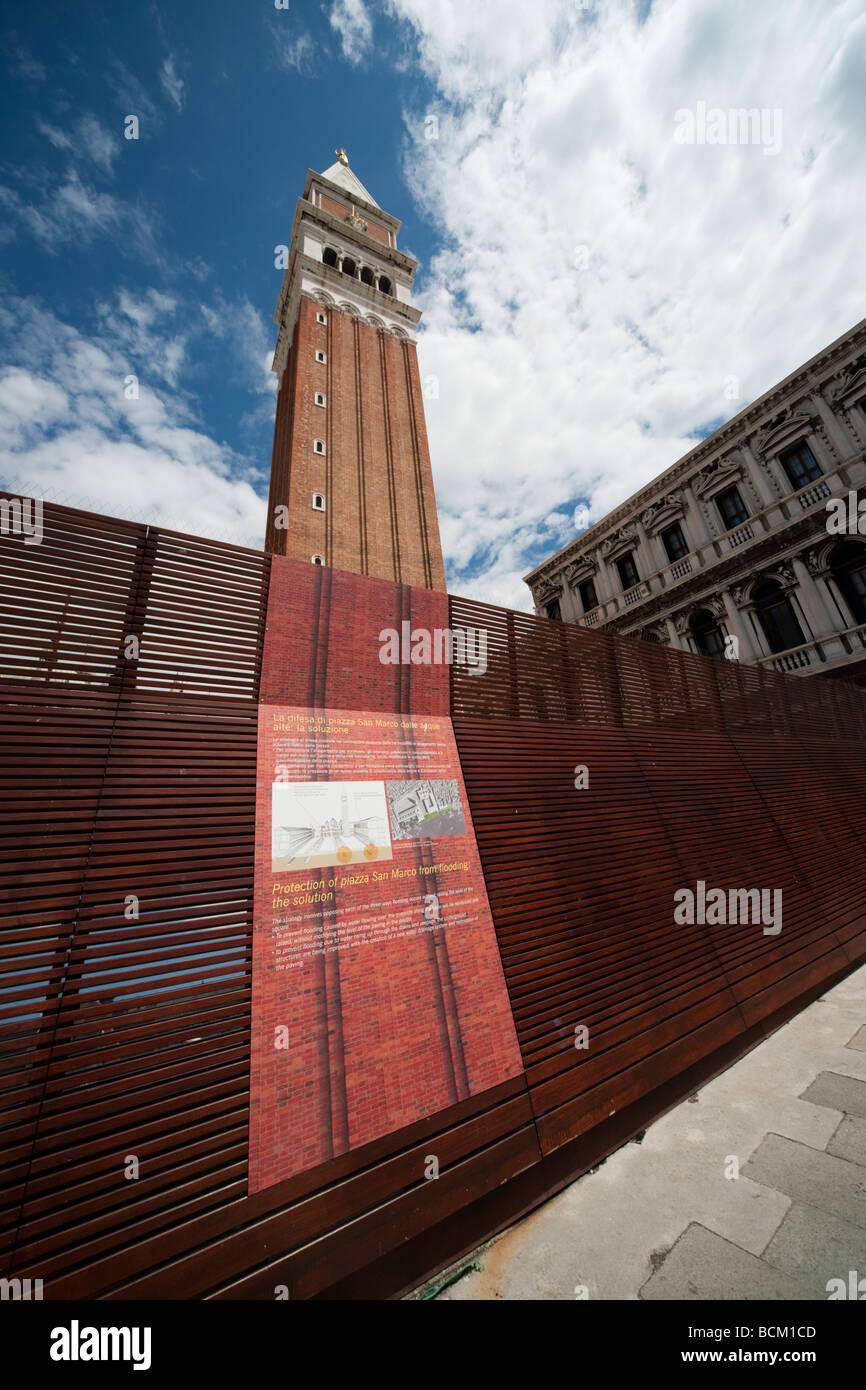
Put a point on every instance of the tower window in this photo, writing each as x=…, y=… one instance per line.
x=367, y=276
x=385, y=284
x=318, y=446
x=321, y=317
x=628, y=575
x=318, y=502
x=588, y=596
x=320, y=399
x=317, y=559
x=348, y=267
x=675, y=542
x=321, y=356
x=801, y=466
x=732, y=508
x=329, y=256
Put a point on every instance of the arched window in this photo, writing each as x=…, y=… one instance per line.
x=777, y=617
x=348, y=267
x=329, y=256
x=848, y=567
x=708, y=636
x=367, y=276
x=317, y=559
x=384, y=284
x=318, y=502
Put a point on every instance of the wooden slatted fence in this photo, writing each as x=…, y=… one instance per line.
x=126, y=873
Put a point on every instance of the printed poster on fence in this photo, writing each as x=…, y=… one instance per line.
x=378, y=994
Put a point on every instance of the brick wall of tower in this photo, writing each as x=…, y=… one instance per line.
x=380, y=516
x=340, y=209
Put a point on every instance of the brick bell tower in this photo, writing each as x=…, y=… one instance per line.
x=351, y=482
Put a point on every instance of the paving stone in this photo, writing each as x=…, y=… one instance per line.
x=703, y=1265
x=849, y=1140
x=813, y=1247
x=810, y=1176
x=837, y=1092
x=859, y=1040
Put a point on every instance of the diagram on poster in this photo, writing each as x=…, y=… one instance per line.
x=319, y=824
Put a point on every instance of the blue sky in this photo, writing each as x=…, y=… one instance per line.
x=590, y=287
x=231, y=112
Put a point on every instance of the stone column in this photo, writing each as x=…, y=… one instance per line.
x=697, y=521
x=569, y=605
x=738, y=626
x=761, y=483
x=838, y=430
x=653, y=549
x=605, y=590
x=820, y=616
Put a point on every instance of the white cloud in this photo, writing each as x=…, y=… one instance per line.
x=172, y=83
x=66, y=424
x=23, y=63
x=599, y=281
x=87, y=137
x=298, y=53
x=28, y=403
x=60, y=211
x=137, y=326
x=250, y=339
x=131, y=96
x=349, y=18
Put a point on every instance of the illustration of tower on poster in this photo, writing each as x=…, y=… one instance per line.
x=351, y=481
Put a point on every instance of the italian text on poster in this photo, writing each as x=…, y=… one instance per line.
x=378, y=994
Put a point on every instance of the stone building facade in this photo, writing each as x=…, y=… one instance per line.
x=753, y=535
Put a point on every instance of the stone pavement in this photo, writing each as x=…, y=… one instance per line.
x=666, y=1217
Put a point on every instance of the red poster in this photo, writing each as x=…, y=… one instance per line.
x=378, y=993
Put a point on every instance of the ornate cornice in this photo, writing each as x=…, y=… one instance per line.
x=718, y=474
x=663, y=512
x=851, y=383
x=786, y=429
x=580, y=569
x=654, y=632
x=817, y=557
x=625, y=539
x=546, y=591
x=683, y=619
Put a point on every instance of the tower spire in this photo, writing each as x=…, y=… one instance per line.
x=351, y=482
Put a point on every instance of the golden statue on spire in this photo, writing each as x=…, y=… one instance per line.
x=342, y=156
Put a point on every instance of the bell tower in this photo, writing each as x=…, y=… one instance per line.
x=351, y=482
